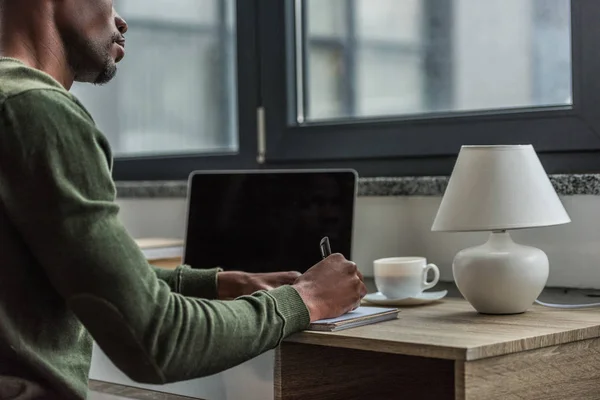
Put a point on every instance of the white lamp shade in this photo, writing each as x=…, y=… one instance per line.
x=499, y=188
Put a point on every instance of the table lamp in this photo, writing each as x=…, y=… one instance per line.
x=497, y=189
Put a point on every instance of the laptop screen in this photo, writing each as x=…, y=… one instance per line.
x=266, y=221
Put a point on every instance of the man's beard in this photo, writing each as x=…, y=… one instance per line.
x=107, y=74
x=91, y=61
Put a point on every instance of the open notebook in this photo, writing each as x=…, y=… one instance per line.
x=359, y=317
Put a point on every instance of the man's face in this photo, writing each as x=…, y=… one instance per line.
x=92, y=33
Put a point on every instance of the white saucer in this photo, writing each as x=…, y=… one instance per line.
x=423, y=298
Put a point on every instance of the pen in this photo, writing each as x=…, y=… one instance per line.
x=325, y=247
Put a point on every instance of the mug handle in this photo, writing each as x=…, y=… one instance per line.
x=436, y=276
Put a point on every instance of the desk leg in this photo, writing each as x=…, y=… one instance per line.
x=318, y=372
x=565, y=372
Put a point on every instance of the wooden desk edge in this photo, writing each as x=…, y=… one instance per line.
x=455, y=353
x=380, y=346
x=130, y=392
x=541, y=342
x=167, y=263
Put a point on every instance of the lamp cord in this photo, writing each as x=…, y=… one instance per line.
x=568, y=306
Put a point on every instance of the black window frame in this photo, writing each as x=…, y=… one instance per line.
x=566, y=138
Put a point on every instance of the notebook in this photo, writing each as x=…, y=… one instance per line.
x=359, y=317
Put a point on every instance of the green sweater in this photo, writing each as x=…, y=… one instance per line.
x=70, y=272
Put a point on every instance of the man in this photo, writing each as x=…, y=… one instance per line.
x=69, y=272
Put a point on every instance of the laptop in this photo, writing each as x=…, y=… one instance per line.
x=268, y=220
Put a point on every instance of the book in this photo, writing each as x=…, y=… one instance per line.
x=160, y=248
x=150, y=243
x=359, y=317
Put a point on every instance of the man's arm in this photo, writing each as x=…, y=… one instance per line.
x=226, y=285
x=55, y=183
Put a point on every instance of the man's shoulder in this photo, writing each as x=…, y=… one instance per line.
x=26, y=87
x=17, y=78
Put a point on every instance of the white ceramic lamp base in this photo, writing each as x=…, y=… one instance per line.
x=501, y=277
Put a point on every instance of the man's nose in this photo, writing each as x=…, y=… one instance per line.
x=120, y=23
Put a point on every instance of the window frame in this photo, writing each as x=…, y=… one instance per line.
x=427, y=144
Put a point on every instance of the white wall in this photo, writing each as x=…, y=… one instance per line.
x=400, y=226
x=252, y=380
x=403, y=227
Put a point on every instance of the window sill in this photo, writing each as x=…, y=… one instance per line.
x=565, y=185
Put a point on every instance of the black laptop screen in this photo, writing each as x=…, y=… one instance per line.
x=268, y=221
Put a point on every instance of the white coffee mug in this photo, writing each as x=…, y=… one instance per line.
x=404, y=277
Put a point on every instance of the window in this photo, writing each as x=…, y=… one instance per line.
x=379, y=58
x=362, y=59
x=175, y=92
x=388, y=87
x=397, y=86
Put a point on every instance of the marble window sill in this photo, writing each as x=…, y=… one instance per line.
x=565, y=185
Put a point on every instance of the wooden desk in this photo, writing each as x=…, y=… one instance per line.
x=152, y=244
x=447, y=351
x=167, y=263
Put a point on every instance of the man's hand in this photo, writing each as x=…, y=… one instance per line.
x=331, y=288
x=233, y=284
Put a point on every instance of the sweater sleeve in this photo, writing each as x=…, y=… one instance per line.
x=190, y=282
x=55, y=183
